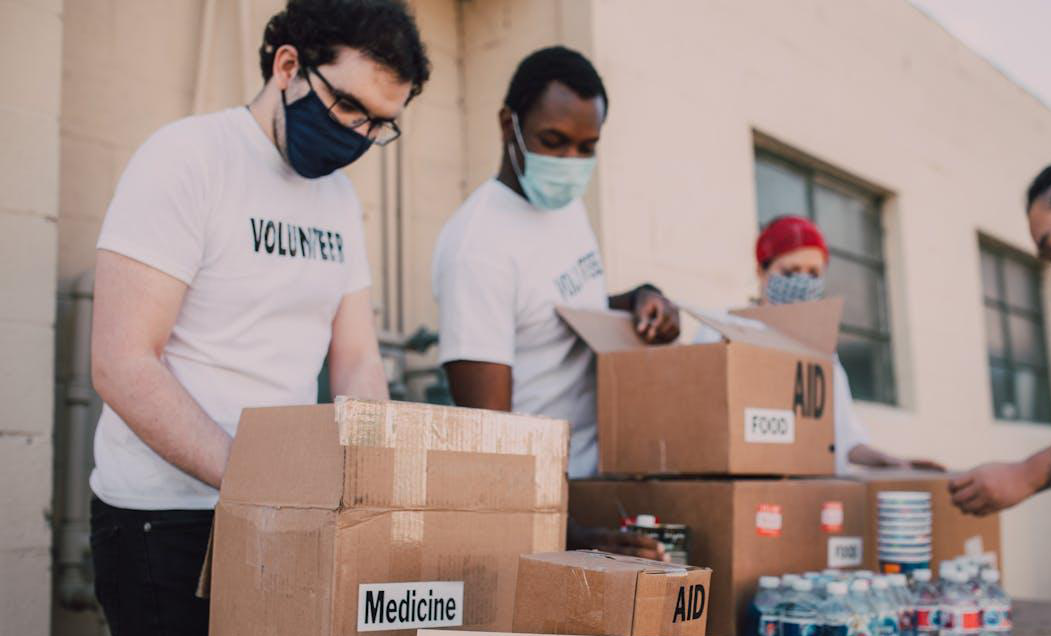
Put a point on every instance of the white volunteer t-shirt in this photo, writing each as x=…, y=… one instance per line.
x=267, y=256
x=849, y=429
x=501, y=267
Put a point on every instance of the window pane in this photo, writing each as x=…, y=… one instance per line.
x=862, y=289
x=779, y=190
x=1027, y=341
x=868, y=366
x=1003, y=402
x=1020, y=285
x=847, y=222
x=990, y=283
x=994, y=333
x=1031, y=395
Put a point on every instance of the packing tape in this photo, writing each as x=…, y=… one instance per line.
x=406, y=526
x=411, y=429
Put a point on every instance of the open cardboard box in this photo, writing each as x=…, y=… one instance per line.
x=742, y=528
x=382, y=516
x=760, y=402
x=592, y=592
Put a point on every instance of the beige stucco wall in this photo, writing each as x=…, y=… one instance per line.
x=29, y=163
x=873, y=88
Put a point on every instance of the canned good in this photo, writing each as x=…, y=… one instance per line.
x=673, y=536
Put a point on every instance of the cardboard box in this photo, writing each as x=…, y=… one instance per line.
x=760, y=402
x=459, y=633
x=953, y=533
x=741, y=528
x=382, y=516
x=591, y=592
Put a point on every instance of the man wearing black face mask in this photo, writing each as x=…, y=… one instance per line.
x=231, y=260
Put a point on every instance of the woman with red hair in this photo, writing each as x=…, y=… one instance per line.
x=791, y=261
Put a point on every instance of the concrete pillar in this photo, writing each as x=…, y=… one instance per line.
x=30, y=30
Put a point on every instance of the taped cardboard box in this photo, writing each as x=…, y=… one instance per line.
x=591, y=592
x=459, y=633
x=382, y=516
x=953, y=533
x=759, y=402
x=741, y=528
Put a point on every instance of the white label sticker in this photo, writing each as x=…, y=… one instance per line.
x=832, y=516
x=844, y=552
x=389, y=606
x=769, y=426
x=768, y=520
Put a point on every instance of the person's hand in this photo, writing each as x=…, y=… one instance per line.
x=992, y=487
x=656, y=317
x=629, y=543
x=925, y=464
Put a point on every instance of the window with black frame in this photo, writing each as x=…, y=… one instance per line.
x=1014, y=327
x=849, y=217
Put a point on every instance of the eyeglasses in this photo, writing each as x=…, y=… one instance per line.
x=348, y=112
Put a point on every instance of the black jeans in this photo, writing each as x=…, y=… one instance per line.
x=147, y=564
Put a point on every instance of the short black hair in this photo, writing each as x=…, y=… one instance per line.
x=384, y=30
x=553, y=64
x=1038, y=188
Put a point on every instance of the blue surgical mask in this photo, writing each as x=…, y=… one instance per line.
x=318, y=145
x=550, y=183
x=782, y=289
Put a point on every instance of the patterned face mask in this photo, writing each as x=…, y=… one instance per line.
x=782, y=289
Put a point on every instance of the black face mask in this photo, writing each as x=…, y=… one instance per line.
x=317, y=144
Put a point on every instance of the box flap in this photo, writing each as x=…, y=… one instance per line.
x=604, y=331
x=599, y=561
x=286, y=456
x=814, y=324
x=747, y=329
x=410, y=455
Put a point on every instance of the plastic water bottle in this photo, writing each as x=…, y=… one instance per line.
x=817, y=581
x=799, y=613
x=886, y=608
x=945, y=571
x=833, y=613
x=926, y=601
x=863, y=617
x=974, y=581
x=960, y=613
x=900, y=592
x=995, y=605
x=764, y=618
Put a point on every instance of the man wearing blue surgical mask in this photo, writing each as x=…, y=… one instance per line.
x=519, y=247
x=230, y=262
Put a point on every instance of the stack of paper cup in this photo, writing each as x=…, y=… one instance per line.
x=904, y=530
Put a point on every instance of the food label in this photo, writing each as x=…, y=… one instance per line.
x=926, y=619
x=844, y=552
x=769, y=426
x=768, y=624
x=960, y=620
x=391, y=606
x=832, y=516
x=799, y=627
x=768, y=520
x=996, y=618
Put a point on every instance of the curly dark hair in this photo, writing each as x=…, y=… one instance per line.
x=1040, y=186
x=553, y=64
x=385, y=30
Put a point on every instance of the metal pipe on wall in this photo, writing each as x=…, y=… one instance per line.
x=75, y=588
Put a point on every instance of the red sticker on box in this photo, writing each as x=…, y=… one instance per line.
x=768, y=520
x=832, y=516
